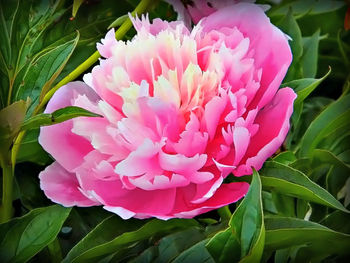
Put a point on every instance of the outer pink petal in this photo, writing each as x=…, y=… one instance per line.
x=62, y=187
x=66, y=147
x=273, y=123
x=271, y=50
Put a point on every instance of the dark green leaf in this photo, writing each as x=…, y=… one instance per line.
x=289, y=181
x=57, y=116
x=290, y=27
x=31, y=150
x=22, y=238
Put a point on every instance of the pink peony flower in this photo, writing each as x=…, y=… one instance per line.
x=182, y=110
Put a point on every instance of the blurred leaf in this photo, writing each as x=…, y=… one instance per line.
x=21, y=238
x=318, y=241
x=309, y=7
x=76, y=5
x=289, y=181
x=58, y=116
x=196, y=253
x=309, y=58
x=88, y=251
x=11, y=119
x=244, y=239
x=29, y=186
x=334, y=116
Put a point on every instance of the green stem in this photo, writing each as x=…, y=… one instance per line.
x=7, y=185
x=225, y=213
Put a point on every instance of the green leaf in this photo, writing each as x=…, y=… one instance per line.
x=55, y=117
x=309, y=58
x=303, y=87
x=22, y=238
x=334, y=116
x=38, y=78
x=104, y=232
x=196, y=253
x=80, y=253
x=289, y=181
x=285, y=157
x=318, y=241
x=244, y=239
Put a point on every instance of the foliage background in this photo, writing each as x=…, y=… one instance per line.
x=297, y=207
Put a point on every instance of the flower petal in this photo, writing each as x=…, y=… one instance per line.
x=62, y=187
